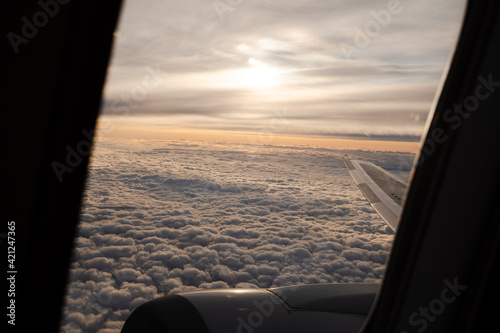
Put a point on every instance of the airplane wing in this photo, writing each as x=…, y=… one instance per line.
x=381, y=188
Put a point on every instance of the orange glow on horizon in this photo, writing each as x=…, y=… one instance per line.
x=263, y=138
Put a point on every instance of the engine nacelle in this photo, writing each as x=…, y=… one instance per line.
x=310, y=308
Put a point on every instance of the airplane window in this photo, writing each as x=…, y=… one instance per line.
x=232, y=137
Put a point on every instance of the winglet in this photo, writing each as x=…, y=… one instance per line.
x=382, y=189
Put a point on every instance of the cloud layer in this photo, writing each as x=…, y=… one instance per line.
x=166, y=217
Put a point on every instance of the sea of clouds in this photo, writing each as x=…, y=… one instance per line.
x=162, y=217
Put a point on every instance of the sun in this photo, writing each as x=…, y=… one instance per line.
x=259, y=75
x=255, y=75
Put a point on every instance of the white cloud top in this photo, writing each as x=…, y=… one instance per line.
x=165, y=217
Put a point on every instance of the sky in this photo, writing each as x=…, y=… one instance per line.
x=321, y=69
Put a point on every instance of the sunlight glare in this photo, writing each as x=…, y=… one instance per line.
x=260, y=75
x=243, y=47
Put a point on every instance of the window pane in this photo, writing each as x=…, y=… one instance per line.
x=219, y=160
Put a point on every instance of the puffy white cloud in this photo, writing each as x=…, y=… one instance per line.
x=289, y=216
x=223, y=273
x=126, y=274
x=214, y=285
x=100, y=263
x=194, y=277
x=111, y=239
x=114, y=298
x=117, y=252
